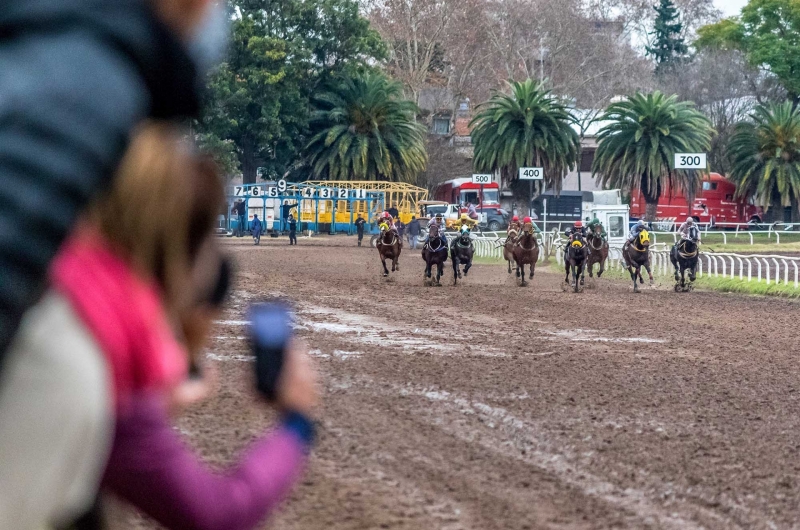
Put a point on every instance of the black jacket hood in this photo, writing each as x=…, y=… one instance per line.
x=129, y=26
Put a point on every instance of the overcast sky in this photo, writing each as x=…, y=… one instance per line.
x=730, y=7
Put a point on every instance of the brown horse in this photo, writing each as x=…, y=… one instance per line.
x=598, y=251
x=636, y=256
x=434, y=253
x=526, y=252
x=389, y=246
x=508, y=246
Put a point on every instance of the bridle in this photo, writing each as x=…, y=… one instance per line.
x=636, y=247
x=594, y=237
x=530, y=235
x=394, y=239
x=682, y=247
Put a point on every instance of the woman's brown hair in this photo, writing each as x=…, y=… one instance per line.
x=161, y=207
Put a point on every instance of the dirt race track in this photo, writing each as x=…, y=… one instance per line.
x=490, y=406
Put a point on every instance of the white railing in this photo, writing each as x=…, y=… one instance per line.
x=772, y=268
x=725, y=234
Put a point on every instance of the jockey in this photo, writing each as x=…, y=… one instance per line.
x=688, y=230
x=514, y=224
x=594, y=223
x=437, y=221
x=635, y=231
x=576, y=228
x=464, y=220
x=386, y=217
x=528, y=227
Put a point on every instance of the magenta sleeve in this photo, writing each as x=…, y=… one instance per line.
x=152, y=469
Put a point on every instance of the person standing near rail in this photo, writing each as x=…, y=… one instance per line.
x=292, y=230
x=413, y=231
x=360, y=222
x=241, y=217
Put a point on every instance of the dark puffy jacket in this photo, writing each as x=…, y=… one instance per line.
x=75, y=77
x=413, y=227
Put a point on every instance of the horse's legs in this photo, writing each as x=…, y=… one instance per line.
x=454, y=259
x=427, y=268
x=582, y=270
x=590, y=266
x=509, y=265
x=439, y=272
x=521, y=272
x=532, y=266
x=385, y=270
x=649, y=272
x=516, y=267
x=469, y=264
x=566, y=271
x=602, y=267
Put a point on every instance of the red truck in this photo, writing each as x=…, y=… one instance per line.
x=715, y=203
x=461, y=191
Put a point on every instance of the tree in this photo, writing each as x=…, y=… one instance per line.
x=528, y=128
x=364, y=130
x=766, y=156
x=637, y=148
x=281, y=51
x=725, y=88
x=668, y=47
x=767, y=33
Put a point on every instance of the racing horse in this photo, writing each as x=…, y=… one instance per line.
x=526, y=252
x=435, y=253
x=684, y=256
x=389, y=246
x=508, y=246
x=461, y=251
x=598, y=252
x=636, y=256
x=575, y=261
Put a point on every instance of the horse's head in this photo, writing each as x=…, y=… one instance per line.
x=578, y=246
x=383, y=227
x=644, y=239
x=434, y=231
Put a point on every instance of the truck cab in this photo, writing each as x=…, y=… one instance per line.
x=615, y=220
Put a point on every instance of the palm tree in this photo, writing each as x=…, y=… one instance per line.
x=362, y=129
x=636, y=149
x=765, y=155
x=527, y=128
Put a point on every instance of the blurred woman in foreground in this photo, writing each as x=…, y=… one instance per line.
x=140, y=279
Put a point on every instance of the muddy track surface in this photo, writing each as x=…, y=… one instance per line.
x=491, y=406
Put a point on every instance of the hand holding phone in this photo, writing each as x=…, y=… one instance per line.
x=285, y=373
x=270, y=332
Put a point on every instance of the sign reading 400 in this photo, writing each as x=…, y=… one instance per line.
x=531, y=173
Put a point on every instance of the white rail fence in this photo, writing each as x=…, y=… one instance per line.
x=769, y=268
x=730, y=234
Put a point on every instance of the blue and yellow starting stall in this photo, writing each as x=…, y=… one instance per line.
x=322, y=206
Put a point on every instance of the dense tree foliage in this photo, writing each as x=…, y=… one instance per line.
x=363, y=129
x=281, y=52
x=636, y=150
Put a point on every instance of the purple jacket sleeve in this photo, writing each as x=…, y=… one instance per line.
x=151, y=468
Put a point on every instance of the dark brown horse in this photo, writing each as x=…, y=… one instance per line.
x=508, y=246
x=598, y=251
x=435, y=254
x=526, y=252
x=389, y=246
x=636, y=256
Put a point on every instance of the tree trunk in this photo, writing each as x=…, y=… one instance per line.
x=248, y=160
x=650, y=211
x=651, y=197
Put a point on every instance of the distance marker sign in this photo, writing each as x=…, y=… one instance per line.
x=531, y=173
x=690, y=161
x=481, y=179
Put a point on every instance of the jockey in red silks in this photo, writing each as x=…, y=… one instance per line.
x=514, y=224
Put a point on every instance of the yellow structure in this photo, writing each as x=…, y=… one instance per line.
x=401, y=195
